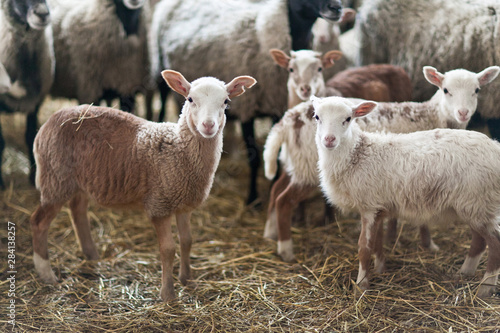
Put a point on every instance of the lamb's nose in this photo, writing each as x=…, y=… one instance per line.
x=209, y=124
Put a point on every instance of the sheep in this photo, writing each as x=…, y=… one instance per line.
x=326, y=36
x=101, y=47
x=422, y=177
x=120, y=160
x=294, y=134
x=379, y=82
x=241, y=33
x=458, y=34
x=5, y=83
x=27, y=54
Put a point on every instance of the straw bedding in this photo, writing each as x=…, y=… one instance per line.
x=239, y=282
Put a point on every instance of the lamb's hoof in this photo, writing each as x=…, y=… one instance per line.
x=271, y=229
x=465, y=272
x=42, y=266
x=486, y=291
x=379, y=266
x=288, y=257
x=433, y=247
x=167, y=294
x=285, y=250
x=185, y=279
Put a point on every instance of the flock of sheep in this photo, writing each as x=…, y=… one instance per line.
x=354, y=135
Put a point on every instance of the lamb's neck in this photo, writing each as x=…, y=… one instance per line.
x=203, y=152
x=348, y=152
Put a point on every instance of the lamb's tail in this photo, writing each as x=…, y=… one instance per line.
x=271, y=150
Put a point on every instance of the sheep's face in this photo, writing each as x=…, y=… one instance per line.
x=330, y=9
x=207, y=102
x=459, y=90
x=334, y=116
x=206, y=99
x=133, y=4
x=35, y=13
x=305, y=76
x=305, y=67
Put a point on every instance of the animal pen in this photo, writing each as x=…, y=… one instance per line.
x=239, y=283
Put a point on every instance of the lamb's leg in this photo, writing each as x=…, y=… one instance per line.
x=426, y=239
x=247, y=129
x=271, y=228
x=489, y=282
x=81, y=225
x=330, y=213
x=378, y=246
x=2, y=147
x=31, y=128
x=185, y=240
x=40, y=222
x=476, y=250
x=163, y=227
x=392, y=231
x=285, y=204
x=366, y=244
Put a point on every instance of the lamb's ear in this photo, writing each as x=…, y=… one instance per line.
x=433, y=76
x=237, y=86
x=328, y=59
x=315, y=101
x=363, y=109
x=348, y=15
x=488, y=75
x=280, y=57
x=177, y=82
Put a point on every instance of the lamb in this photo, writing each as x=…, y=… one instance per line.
x=326, y=36
x=422, y=177
x=120, y=160
x=241, y=33
x=101, y=47
x=379, y=82
x=27, y=54
x=295, y=132
x=458, y=34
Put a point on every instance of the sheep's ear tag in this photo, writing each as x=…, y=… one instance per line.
x=363, y=109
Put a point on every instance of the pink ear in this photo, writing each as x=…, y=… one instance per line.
x=433, y=76
x=328, y=59
x=237, y=86
x=348, y=15
x=280, y=57
x=177, y=82
x=488, y=75
x=363, y=109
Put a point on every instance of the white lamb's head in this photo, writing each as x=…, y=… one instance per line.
x=459, y=89
x=334, y=116
x=305, y=68
x=206, y=99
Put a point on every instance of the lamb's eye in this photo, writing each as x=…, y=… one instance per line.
x=290, y=70
x=226, y=101
x=348, y=119
x=316, y=117
x=477, y=90
x=445, y=91
x=320, y=69
x=190, y=100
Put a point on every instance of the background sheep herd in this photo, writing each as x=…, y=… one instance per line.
x=61, y=53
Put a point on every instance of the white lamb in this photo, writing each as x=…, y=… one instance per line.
x=451, y=107
x=423, y=177
x=120, y=160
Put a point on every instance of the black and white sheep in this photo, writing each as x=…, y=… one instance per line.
x=210, y=37
x=26, y=52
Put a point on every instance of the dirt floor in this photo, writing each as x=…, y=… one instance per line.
x=240, y=284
